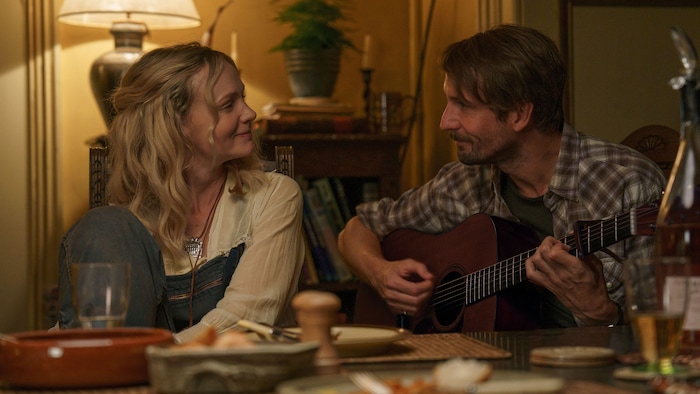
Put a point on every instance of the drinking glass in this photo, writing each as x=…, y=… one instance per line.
x=657, y=299
x=100, y=293
x=389, y=110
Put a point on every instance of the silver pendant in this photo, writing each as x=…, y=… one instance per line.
x=193, y=247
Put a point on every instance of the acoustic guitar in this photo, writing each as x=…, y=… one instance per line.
x=479, y=269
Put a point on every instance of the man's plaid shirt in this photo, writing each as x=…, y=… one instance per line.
x=593, y=180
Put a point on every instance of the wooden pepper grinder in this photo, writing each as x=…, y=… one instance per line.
x=316, y=313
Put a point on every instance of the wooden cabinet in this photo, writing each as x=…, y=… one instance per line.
x=344, y=155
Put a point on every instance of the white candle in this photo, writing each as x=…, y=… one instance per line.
x=234, y=47
x=367, y=52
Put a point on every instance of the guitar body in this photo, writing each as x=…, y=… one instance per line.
x=479, y=242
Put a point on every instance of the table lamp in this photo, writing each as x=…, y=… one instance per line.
x=128, y=21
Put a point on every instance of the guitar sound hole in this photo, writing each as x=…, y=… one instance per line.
x=449, y=314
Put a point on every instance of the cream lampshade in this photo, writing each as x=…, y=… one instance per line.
x=128, y=21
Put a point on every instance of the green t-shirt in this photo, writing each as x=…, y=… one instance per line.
x=533, y=213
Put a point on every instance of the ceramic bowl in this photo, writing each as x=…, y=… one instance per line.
x=234, y=370
x=79, y=358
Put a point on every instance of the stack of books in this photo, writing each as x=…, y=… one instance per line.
x=306, y=109
x=320, y=116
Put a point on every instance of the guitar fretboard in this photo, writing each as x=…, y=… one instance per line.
x=588, y=237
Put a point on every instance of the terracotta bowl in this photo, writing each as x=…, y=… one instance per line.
x=79, y=358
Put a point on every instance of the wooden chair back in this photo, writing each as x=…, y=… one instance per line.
x=99, y=173
x=657, y=142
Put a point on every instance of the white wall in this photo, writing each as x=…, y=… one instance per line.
x=14, y=192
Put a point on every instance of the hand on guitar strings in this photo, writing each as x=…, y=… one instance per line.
x=578, y=283
x=406, y=285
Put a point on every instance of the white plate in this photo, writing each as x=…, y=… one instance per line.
x=363, y=341
x=501, y=382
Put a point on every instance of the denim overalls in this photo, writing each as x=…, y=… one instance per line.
x=111, y=233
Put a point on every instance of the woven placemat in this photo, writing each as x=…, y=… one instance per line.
x=432, y=347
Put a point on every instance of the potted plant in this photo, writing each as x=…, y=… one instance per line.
x=312, y=51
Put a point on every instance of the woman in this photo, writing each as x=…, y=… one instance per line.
x=190, y=207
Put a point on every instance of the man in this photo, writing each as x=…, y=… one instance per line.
x=519, y=161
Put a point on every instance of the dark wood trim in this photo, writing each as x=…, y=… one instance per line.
x=344, y=155
x=565, y=7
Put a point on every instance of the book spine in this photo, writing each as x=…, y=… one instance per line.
x=326, y=232
x=309, y=273
x=325, y=192
x=342, y=199
x=321, y=259
x=370, y=191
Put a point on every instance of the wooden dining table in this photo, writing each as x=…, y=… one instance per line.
x=521, y=343
x=599, y=379
x=505, y=350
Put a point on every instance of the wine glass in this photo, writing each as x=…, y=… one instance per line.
x=657, y=300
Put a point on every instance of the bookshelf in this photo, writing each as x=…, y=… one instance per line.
x=361, y=155
x=353, y=156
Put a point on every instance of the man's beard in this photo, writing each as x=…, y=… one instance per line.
x=475, y=157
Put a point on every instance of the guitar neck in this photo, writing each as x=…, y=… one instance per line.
x=594, y=235
x=589, y=237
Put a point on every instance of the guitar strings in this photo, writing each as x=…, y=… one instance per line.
x=453, y=290
x=470, y=287
x=452, y=293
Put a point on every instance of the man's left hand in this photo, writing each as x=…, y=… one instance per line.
x=578, y=283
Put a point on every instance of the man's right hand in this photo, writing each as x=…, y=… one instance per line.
x=406, y=285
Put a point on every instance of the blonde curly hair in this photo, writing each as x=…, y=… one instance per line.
x=148, y=150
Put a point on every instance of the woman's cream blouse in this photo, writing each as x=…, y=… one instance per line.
x=268, y=221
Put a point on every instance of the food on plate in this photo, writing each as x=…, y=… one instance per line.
x=231, y=339
x=209, y=339
x=456, y=374
x=204, y=339
x=416, y=386
x=451, y=376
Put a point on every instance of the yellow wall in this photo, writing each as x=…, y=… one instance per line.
x=13, y=172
